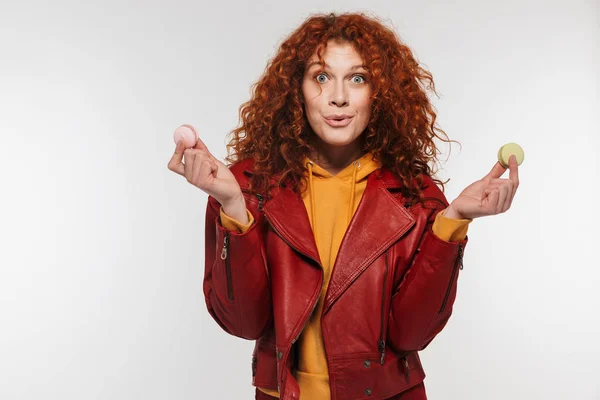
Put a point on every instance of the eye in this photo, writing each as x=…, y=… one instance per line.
x=353, y=77
x=317, y=77
x=359, y=76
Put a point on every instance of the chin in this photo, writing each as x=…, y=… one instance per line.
x=340, y=141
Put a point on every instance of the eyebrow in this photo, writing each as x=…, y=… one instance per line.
x=326, y=66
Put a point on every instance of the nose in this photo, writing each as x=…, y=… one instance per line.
x=338, y=95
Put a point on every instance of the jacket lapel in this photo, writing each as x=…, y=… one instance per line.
x=379, y=221
x=287, y=215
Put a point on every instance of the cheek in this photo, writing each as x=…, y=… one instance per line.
x=312, y=106
x=310, y=92
x=366, y=109
x=362, y=102
x=312, y=111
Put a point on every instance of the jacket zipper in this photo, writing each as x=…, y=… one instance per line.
x=254, y=363
x=225, y=250
x=260, y=202
x=382, y=333
x=227, y=266
x=406, y=367
x=224, y=255
x=458, y=263
x=259, y=196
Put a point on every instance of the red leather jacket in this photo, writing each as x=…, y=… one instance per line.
x=391, y=291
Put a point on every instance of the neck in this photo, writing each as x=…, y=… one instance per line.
x=335, y=159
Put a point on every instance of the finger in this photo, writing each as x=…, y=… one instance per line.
x=494, y=183
x=512, y=197
x=201, y=146
x=510, y=194
x=514, y=170
x=508, y=199
x=175, y=163
x=211, y=171
x=502, y=195
x=503, y=184
x=189, y=159
x=513, y=177
x=496, y=171
x=197, y=153
x=203, y=168
x=491, y=201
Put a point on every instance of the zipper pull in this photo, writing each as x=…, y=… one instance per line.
x=460, y=256
x=381, y=345
x=260, y=202
x=225, y=244
x=407, y=369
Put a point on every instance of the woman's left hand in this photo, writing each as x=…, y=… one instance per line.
x=488, y=196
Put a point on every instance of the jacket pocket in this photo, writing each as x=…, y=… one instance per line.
x=224, y=256
x=458, y=264
x=381, y=343
x=361, y=376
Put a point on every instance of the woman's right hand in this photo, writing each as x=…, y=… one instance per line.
x=207, y=173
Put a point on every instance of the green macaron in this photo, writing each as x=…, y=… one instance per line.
x=508, y=150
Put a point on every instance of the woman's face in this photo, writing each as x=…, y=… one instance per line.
x=341, y=89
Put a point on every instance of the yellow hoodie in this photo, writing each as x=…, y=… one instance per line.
x=330, y=201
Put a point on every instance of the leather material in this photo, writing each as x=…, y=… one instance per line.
x=391, y=291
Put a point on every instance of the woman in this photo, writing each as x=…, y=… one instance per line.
x=327, y=239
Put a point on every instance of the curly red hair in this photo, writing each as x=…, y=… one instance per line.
x=275, y=132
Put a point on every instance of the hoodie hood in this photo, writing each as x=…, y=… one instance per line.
x=352, y=175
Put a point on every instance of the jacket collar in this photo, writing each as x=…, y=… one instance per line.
x=387, y=178
x=379, y=221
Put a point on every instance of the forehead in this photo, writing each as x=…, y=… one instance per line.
x=337, y=55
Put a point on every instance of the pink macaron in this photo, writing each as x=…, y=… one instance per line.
x=188, y=134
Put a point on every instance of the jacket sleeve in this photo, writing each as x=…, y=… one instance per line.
x=236, y=282
x=233, y=224
x=450, y=229
x=422, y=302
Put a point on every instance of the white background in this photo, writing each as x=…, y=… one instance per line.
x=101, y=261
